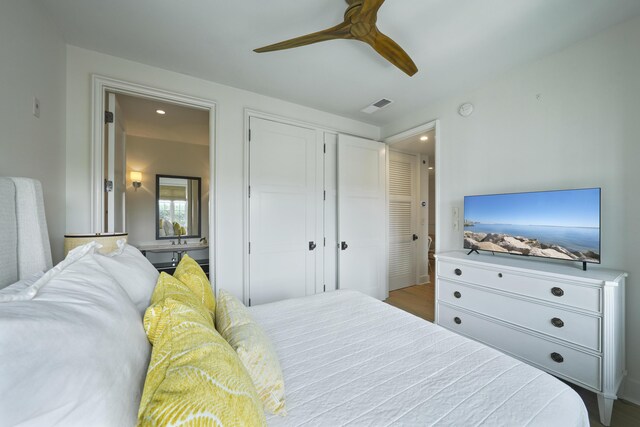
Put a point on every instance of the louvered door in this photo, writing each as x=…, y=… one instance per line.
x=403, y=191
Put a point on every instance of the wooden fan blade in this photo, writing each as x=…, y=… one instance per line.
x=340, y=31
x=370, y=7
x=391, y=51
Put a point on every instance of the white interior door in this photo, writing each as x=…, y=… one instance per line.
x=285, y=196
x=330, y=212
x=403, y=227
x=361, y=215
x=115, y=168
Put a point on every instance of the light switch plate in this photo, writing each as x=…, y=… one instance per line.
x=456, y=219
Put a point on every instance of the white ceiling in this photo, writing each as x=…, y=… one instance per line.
x=179, y=124
x=413, y=144
x=457, y=45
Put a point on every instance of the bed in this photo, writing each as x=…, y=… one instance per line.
x=349, y=359
x=75, y=353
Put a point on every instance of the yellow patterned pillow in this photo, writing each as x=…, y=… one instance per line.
x=168, y=286
x=230, y=312
x=254, y=350
x=194, y=377
x=190, y=273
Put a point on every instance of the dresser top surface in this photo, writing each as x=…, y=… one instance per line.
x=571, y=270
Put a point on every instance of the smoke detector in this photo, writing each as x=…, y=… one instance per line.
x=378, y=105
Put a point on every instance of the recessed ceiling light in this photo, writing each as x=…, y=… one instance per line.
x=424, y=138
x=161, y=112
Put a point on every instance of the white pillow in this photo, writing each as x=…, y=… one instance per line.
x=76, y=354
x=28, y=290
x=133, y=272
x=12, y=292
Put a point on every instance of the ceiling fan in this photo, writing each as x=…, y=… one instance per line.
x=359, y=24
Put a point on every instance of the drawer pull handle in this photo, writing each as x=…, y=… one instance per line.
x=457, y=294
x=558, y=323
x=458, y=272
x=500, y=275
x=457, y=320
x=558, y=292
x=557, y=357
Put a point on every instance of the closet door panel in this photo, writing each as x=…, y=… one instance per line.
x=331, y=212
x=361, y=215
x=283, y=211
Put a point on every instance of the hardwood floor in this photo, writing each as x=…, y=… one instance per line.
x=419, y=300
x=625, y=414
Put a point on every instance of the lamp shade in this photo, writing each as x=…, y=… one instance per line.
x=109, y=241
x=136, y=176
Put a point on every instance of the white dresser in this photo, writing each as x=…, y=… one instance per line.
x=554, y=316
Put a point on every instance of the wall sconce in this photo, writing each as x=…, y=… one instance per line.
x=136, y=178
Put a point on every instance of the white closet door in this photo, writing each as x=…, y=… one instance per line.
x=361, y=215
x=283, y=210
x=403, y=191
x=331, y=212
x=115, y=168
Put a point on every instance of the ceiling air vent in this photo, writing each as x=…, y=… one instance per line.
x=377, y=106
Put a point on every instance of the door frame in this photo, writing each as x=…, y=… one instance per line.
x=100, y=85
x=414, y=131
x=115, y=108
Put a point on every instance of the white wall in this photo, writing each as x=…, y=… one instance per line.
x=583, y=131
x=152, y=157
x=82, y=63
x=32, y=63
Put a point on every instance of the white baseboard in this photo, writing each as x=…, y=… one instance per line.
x=424, y=279
x=631, y=391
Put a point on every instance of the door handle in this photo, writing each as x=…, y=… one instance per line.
x=344, y=246
x=415, y=237
x=312, y=246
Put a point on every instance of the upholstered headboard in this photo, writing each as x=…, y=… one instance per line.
x=24, y=238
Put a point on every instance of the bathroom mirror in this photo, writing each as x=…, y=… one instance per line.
x=177, y=207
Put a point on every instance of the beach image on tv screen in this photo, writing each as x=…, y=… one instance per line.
x=553, y=224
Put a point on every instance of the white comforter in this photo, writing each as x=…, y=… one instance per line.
x=349, y=359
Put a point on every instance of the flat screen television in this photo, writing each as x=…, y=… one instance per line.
x=562, y=224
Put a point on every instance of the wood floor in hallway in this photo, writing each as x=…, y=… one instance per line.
x=418, y=300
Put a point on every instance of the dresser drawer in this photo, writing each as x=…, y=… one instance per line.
x=577, y=366
x=572, y=295
x=576, y=328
